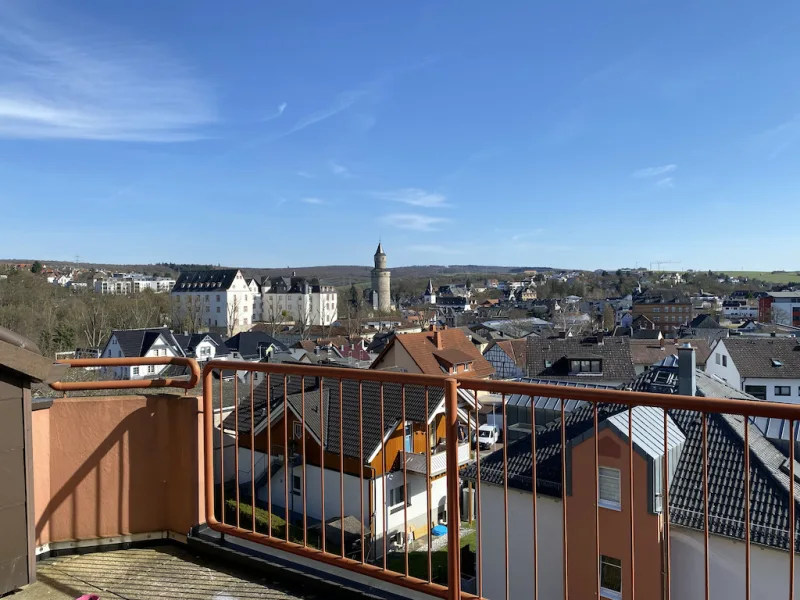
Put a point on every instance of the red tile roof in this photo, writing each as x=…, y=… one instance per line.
x=422, y=349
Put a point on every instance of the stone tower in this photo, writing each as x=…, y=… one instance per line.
x=381, y=281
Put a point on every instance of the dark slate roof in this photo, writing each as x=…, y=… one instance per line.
x=554, y=403
x=216, y=279
x=754, y=357
x=704, y=322
x=615, y=352
x=645, y=334
x=188, y=343
x=137, y=342
x=247, y=343
x=371, y=401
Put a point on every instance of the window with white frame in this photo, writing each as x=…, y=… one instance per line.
x=610, y=493
x=610, y=577
x=151, y=369
x=397, y=496
x=297, y=484
x=135, y=371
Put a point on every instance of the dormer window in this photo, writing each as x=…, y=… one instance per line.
x=586, y=366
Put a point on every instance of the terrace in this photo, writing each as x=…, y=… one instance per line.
x=121, y=495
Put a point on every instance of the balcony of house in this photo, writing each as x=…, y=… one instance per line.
x=676, y=494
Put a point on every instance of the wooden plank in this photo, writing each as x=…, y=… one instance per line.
x=14, y=539
x=27, y=422
x=13, y=574
x=11, y=425
x=12, y=475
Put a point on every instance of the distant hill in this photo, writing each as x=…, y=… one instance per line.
x=338, y=275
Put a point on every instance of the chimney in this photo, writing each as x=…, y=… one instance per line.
x=661, y=343
x=599, y=337
x=687, y=368
x=437, y=340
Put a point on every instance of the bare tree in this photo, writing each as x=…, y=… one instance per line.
x=234, y=310
x=609, y=317
x=779, y=316
x=95, y=322
x=274, y=317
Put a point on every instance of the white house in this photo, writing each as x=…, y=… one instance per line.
x=203, y=346
x=767, y=368
x=136, y=343
x=380, y=456
x=298, y=299
x=219, y=300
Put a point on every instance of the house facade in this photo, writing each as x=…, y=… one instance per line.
x=667, y=311
x=132, y=283
x=218, y=300
x=767, y=368
x=508, y=358
x=299, y=300
x=138, y=343
x=320, y=428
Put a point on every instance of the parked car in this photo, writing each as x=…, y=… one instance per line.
x=487, y=436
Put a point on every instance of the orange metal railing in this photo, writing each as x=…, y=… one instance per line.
x=328, y=384
x=125, y=384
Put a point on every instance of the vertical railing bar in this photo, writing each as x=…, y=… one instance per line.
x=269, y=452
x=747, y=508
x=286, y=519
x=341, y=468
x=632, y=505
x=303, y=458
x=665, y=508
x=564, y=497
x=361, y=461
x=791, y=528
x=479, y=522
x=322, y=458
x=252, y=455
x=405, y=480
x=705, y=502
x=533, y=491
x=453, y=486
x=428, y=480
x=383, y=478
x=236, y=446
x=221, y=454
x=505, y=496
x=596, y=499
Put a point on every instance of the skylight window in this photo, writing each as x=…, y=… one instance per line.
x=776, y=362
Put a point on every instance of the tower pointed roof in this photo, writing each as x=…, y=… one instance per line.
x=379, y=251
x=429, y=291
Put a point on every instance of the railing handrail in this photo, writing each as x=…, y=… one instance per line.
x=126, y=384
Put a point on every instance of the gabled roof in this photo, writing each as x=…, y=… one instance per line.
x=203, y=281
x=646, y=352
x=421, y=348
x=547, y=357
x=137, y=342
x=772, y=358
x=372, y=430
x=247, y=343
x=516, y=350
x=704, y=322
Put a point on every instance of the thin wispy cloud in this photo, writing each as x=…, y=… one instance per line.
x=312, y=200
x=58, y=84
x=305, y=175
x=414, y=197
x=277, y=113
x=342, y=102
x=653, y=171
x=414, y=222
x=666, y=182
x=775, y=140
x=339, y=170
x=518, y=237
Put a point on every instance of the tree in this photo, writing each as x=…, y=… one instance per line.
x=779, y=316
x=234, y=310
x=609, y=317
x=36, y=267
x=274, y=317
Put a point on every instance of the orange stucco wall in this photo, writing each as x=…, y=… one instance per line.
x=614, y=525
x=105, y=466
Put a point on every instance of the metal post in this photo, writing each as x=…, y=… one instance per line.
x=453, y=508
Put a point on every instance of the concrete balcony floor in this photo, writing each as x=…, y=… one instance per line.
x=142, y=574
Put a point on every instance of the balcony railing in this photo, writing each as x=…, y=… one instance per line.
x=568, y=512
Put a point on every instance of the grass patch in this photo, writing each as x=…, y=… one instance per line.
x=418, y=561
x=768, y=276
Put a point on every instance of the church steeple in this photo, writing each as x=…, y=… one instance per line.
x=429, y=291
x=379, y=251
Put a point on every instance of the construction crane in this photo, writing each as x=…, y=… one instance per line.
x=658, y=263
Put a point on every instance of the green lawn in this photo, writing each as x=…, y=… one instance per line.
x=418, y=561
x=768, y=276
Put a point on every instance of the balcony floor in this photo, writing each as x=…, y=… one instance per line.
x=142, y=574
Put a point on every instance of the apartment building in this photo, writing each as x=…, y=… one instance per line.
x=782, y=308
x=668, y=311
x=218, y=300
x=298, y=299
x=132, y=283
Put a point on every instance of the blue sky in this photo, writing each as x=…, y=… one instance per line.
x=581, y=134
